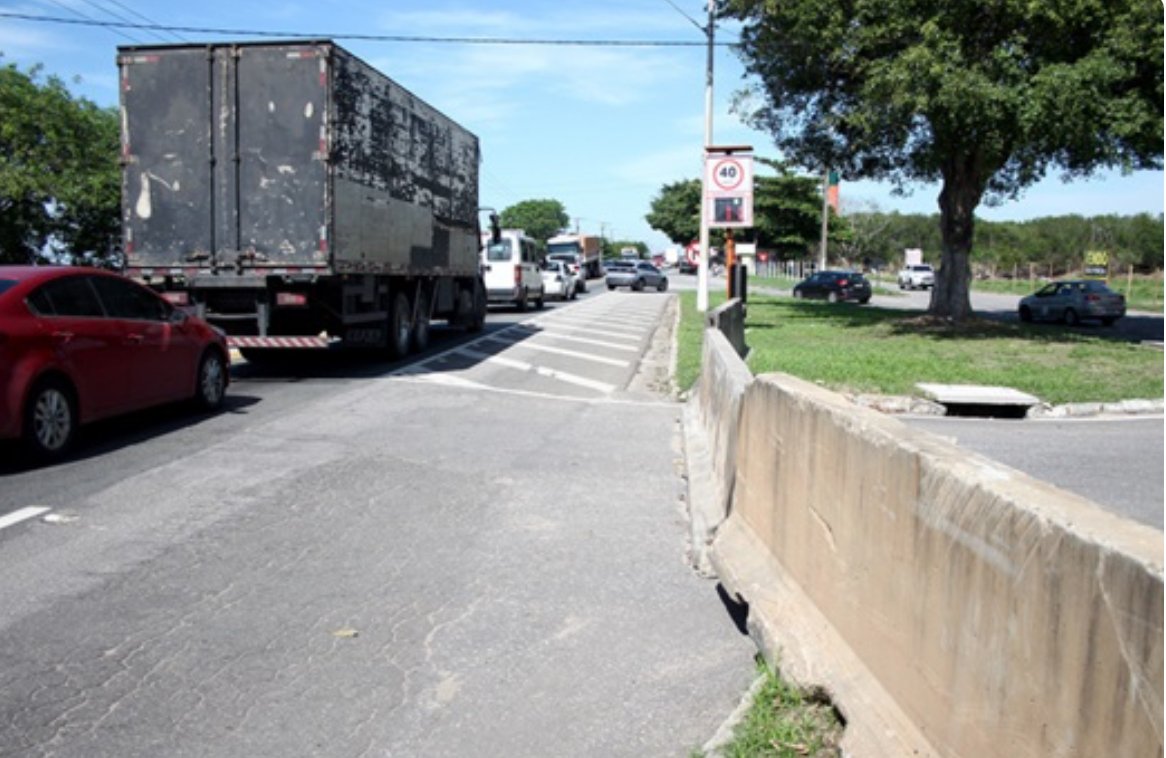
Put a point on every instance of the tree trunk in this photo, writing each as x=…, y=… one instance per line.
x=961, y=194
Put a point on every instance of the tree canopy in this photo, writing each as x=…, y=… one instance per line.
x=59, y=177
x=984, y=98
x=541, y=219
x=675, y=211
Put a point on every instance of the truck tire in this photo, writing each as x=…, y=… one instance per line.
x=400, y=330
x=478, y=319
x=420, y=331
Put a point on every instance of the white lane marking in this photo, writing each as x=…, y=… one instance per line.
x=22, y=515
x=604, y=319
x=422, y=367
x=450, y=380
x=605, y=400
x=585, y=341
x=562, y=376
x=625, y=334
x=526, y=344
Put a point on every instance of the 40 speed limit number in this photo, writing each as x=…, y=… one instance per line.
x=728, y=175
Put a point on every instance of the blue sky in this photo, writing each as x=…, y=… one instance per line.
x=599, y=128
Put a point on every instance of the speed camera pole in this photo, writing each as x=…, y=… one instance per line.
x=702, y=266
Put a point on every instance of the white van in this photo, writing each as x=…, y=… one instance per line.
x=512, y=270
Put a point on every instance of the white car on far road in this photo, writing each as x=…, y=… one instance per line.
x=916, y=276
x=559, y=281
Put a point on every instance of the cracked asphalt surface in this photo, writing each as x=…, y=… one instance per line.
x=360, y=563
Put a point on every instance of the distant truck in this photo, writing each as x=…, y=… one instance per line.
x=296, y=197
x=586, y=247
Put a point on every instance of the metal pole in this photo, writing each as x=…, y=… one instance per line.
x=702, y=270
x=825, y=220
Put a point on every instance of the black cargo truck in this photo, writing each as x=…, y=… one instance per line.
x=296, y=197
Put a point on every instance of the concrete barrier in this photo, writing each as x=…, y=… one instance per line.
x=729, y=319
x=948, y=604
x=711, y=426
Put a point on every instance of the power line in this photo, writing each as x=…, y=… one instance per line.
x=692, y=20
x=132, y=12
x=89, y=21
x=107, y=12
x=118, y=25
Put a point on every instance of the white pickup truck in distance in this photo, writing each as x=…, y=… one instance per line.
x=916, y=276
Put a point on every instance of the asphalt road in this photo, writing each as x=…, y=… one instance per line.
x=482, y=552
x=1115, y=462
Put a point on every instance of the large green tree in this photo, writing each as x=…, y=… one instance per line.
x=541, y=219
x=787, y=212
x=982, y=96
x=59, y=176
x=675, y=211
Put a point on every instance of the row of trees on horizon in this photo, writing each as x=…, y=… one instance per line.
x=787, y=222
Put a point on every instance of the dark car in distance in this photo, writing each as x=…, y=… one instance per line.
x=82, y=344
x=835, y=286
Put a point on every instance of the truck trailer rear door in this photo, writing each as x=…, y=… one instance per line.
x=166, y=156
x=225, y=152
x=281, y=111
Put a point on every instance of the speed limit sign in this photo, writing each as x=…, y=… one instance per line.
x=728, y=174
x=728, y=187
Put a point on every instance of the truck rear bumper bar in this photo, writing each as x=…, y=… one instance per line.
x=299, y=343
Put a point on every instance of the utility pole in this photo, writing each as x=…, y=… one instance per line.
x=702, y=270
x=825, y=219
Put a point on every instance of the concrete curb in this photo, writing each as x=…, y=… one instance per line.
x=917, y=406
x=724, y=734
x=703, y=511
x=1085, y=410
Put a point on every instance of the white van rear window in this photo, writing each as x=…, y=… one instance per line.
x=499, y=251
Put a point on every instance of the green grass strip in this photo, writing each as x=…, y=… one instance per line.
x=864, y=349
x=784, y=722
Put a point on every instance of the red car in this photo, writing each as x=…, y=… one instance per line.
x=81, y=344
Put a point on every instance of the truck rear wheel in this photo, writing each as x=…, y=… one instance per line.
x=400, y=330
x=478, y=319
x=421, y=322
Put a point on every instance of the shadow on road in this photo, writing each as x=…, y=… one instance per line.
x=103, y=437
